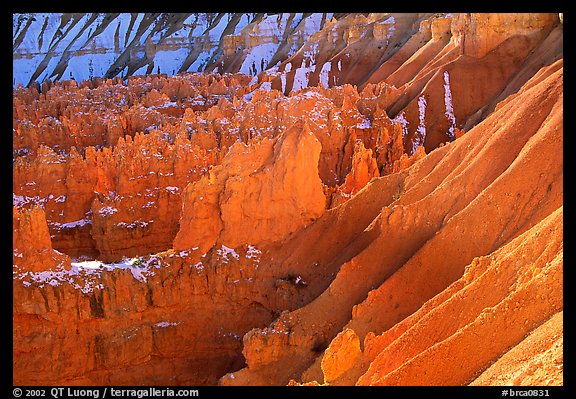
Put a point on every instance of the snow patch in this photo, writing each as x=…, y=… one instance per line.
x=86, y=275
x=401, y=119
x=253, y=252
x=135, y=224
x=140, y=269
x=365, y=124
x=164, y=324
x=449, y=108
x=199, y=266
x=258, y=58
x=266, y=86
x=420, y=135
x=107, y=211
x=324, y=73
x=390, y=20
x=301, y=75
x=184, y=253
x=73, y=224
x=225, y=251
x=20, y=200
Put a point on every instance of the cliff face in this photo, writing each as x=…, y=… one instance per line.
x=381, y=198
x=258, y=194
x=394, y=270
x=484, y=57
x=32, y=250
x=218, y=178
x=83, y=46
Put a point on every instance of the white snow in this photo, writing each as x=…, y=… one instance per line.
x=59, y=276
x=123, y=23
x=390, y=21
x=199, y=266
x=200, y=62
x=266, y=86
x=403, y=122
x=258, y=58
x=169, y=61
x=253, y=252
x=420, y=135
x=287, y=68
x=200, y=24
x=88, y=264
x=301, y=75
x=244, y=20
x=30, y=42
x=75, y=223
x=215, y=33
x=365, y=124
x=137, y=223
x=107, y=211
x=296, y=21
x=90, y=56
x=449, y=108
x=224, y=251
x=106, y=38
x=23, y=68
x=141, y=71
x=19, y=200
x=312, y=23
x=140, y=270
x=324, y=73
x=164, y=324
x=272, y=25
x=283, y=81
x=248, y=96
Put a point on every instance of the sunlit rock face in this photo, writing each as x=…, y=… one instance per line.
x=293, y=198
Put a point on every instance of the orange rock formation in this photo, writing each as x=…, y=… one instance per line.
x=376, y=230
x=32, y=250
x=385, y=276
x=259, y=193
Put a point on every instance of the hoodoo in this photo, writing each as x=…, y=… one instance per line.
x=288, y=199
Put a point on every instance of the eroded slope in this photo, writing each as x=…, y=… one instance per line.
x=221, y=228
